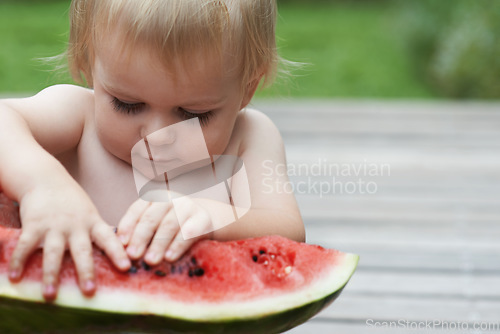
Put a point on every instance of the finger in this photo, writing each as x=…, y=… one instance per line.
x=53, y=252
x=106, y=239
x=145, y=229
x=27, y=244
x=164, y=235
x=81, y=251
x=130, y=218
x=181, y=243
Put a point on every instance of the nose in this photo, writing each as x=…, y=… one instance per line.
x=163, y=136
x=159, y=131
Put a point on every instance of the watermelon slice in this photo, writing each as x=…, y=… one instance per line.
x=261, y=285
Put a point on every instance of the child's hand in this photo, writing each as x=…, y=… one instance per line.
x=157, y=222
x=60, y=218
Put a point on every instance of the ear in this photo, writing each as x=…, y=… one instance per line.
x=250, y=90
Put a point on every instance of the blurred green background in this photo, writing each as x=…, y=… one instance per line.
x=352, y=48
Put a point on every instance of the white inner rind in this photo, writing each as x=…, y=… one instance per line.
x=126, y=301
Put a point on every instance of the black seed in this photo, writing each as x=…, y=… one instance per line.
x=132, y=270
x=255, y=258
x=193, y=260
x=145, y=265
x=262, y=251
x=160, y=273
x=199, y=271
x=190, y=273
x=172, y=269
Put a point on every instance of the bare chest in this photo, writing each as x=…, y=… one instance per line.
x=107, y=180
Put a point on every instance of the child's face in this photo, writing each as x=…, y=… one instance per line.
x=135, y=96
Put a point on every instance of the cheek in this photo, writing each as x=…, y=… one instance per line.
x=217, y=136
x=114, y=134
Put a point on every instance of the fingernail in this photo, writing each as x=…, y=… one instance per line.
x=125, y=263
x=151, y=257
x=170, y=255
x=89, y=285
x=131, y=250
x=123, y=239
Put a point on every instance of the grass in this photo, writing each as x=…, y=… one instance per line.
x=351, y=49
x=31, y=30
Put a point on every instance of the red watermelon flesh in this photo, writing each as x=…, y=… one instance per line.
x=9, y=212
x=269, y=281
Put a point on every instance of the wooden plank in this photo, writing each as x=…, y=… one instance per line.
x=409, y=250
x=354, y=326
x=403, y=156
x=387, y=241
x=360, y=307
x=351, y=207
x=360, y=315
x=386, y=315
x=396, y=326
x=484, y=187
x=459, y=285
x=414, y=260
x=388, y=117
x=368, y=142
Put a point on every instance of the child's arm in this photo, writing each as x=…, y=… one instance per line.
x=54, y=209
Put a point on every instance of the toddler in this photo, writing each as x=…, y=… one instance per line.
x=149, y=64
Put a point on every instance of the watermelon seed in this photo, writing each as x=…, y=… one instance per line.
x=190, y=273
x=199, y=271
x=255, y=258
x=145, y=265
x=172, y=269
x=288, y=270
x=193, y=260
x=160, y=273
x=132, y=270
x=262, y=252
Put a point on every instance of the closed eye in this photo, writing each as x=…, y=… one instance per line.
x=127, y=108
x=135, y=108
x=203, y=117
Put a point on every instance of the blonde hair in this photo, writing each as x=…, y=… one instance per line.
x=241, y=29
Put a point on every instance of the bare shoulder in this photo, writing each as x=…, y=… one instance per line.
x=56, y=115
x=258, y=132
x=67, y=95
x=53, y=100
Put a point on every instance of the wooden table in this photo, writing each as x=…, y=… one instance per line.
x=427, y=223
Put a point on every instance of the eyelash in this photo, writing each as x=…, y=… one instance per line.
x=126, y=108
x=202, y=117
x=133, y=109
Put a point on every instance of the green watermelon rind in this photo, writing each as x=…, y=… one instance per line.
x=21, y=315
x=42, y=318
